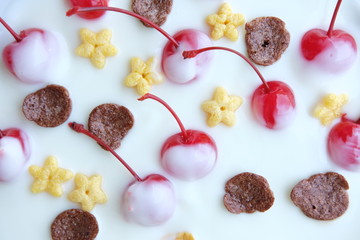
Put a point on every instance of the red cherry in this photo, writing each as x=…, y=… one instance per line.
x=189, y=154
x=175, y=68
x=149, y=201
x=15, y=151
x=273, y=103
x=332, y=50
x=344, y=144
x=90, y=3
x=36, y=55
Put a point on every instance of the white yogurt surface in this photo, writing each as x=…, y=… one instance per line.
x=283, y=157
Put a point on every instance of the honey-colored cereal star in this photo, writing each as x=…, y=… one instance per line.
x=330, y=108
x=96, y=46
x=184, y=236
x=221, y=108
x=87, y=191
x=225, y=23
x=50, y=177
x=142, y=75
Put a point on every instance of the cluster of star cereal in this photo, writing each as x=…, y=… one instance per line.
x=330, y=108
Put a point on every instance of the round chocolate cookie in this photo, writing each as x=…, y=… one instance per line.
x=74, y=224
x=266, y=40
x=248, y=192
x=48, y=107
x=322, y=196
x=110, y=122
x=154, y=10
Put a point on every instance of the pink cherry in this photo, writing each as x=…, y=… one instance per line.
x=274, y=107
x=188, y=155
x=180, y=70
x=332, y=50
x=15, y=152
x=90, y=3
x=273, y=103
x=149, y=202
x=344, y=144
x=191, y=157
x=36, y=55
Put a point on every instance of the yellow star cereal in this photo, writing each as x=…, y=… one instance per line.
x=330, y=108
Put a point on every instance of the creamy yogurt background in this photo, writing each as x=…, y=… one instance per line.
x=283, y=157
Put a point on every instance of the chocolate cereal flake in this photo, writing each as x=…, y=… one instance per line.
x=154, y=10
x=248, y=192
x=110, y=122
x=74, y=224
x=48, y=107
x=322, y=196
x=266, y=40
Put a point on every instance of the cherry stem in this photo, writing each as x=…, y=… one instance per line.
x=193, y=53
x=77, y=127
x=75, y=10
x=12, y=32
x=149, y=95
x=332, y=23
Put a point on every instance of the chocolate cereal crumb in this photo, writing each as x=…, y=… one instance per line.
x=154, y=10
x=74, y=224
x=248, y=192
x=110, y=122
x=48, y=107
x=322, y=196
x=266, y=40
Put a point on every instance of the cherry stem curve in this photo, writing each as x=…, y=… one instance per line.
x=167, y=106
x=193, y=53
x=11, y=31
x=76, y=10
x=77, y=127
x=333, y=19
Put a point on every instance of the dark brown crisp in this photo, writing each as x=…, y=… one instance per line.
x=74, y=224
x=266, y=40
x=154, y=10
x=48, y=107
x=110, y=122
x=248, y=192
x=322, y=196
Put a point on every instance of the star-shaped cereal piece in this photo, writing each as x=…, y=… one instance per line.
x=50, y=177
x=221, y=108
x=184, y=236
x=330, y=107
x=142, y=75
x=87, y=191
x=96, y=46
x=225, y=23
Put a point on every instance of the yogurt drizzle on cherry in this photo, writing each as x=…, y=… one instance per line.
x=273, y=102
x=175, y=68
x=148, y=201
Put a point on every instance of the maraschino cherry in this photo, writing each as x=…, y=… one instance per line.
x=90, y=3
x=148, y=201
x=189, y=154
x=36, y=55
x=15, y=151
x=175, y=68
x=331, y=50
x=344, y=144
x=273, y=102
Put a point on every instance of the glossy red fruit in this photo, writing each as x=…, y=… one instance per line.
x=331, y=50
x=344, y=144
x=180, y=70
x=274, y=107
x=189, y=154
x=15, y=151
x=90, y=3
